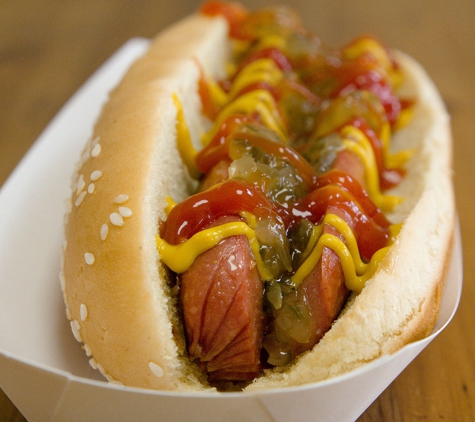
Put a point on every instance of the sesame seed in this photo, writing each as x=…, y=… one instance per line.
x=89, y=258
x=101, y=369
x=156, y=369
x=121, y=199
x=125, y=212
x=104, y=231
x=88, y=350
x=75, y=328
x=96, y=175
x=80, y=184
x=93, y=363
x=68, y=313
x=62, y=280
x=91, y=188
x=96, y=150
x=115, y=382
x=116, y=219
x=83, y=312
x=80, y=198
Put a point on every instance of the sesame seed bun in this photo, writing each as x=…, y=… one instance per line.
x=116, y=290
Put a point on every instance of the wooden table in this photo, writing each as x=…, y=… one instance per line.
x=49, y=48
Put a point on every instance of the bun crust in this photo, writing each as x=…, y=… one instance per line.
x=116, y=292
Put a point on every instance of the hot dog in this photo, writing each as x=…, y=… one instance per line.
x=256, y=210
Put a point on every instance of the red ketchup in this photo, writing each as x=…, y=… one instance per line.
x=198, y=211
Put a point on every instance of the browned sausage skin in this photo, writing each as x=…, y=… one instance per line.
x=308, y=312
x=221, y=296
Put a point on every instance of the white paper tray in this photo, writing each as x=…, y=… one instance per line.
x=43, y=369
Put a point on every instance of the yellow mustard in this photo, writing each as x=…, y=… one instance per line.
x=184, y=144
x=262, y=70
x=170, y=205
x=180, y=257
x=356, y=141
x=259, y=102
x=356, y=272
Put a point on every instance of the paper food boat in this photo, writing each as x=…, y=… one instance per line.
x=44, y=371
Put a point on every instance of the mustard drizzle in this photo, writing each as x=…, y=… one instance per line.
x=180, y=257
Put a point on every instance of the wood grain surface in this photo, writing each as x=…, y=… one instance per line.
x=48, y=48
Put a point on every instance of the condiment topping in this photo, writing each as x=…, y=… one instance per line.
x=298, y=154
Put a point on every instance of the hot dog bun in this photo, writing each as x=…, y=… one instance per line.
x=128, y=320
x=117, y=297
